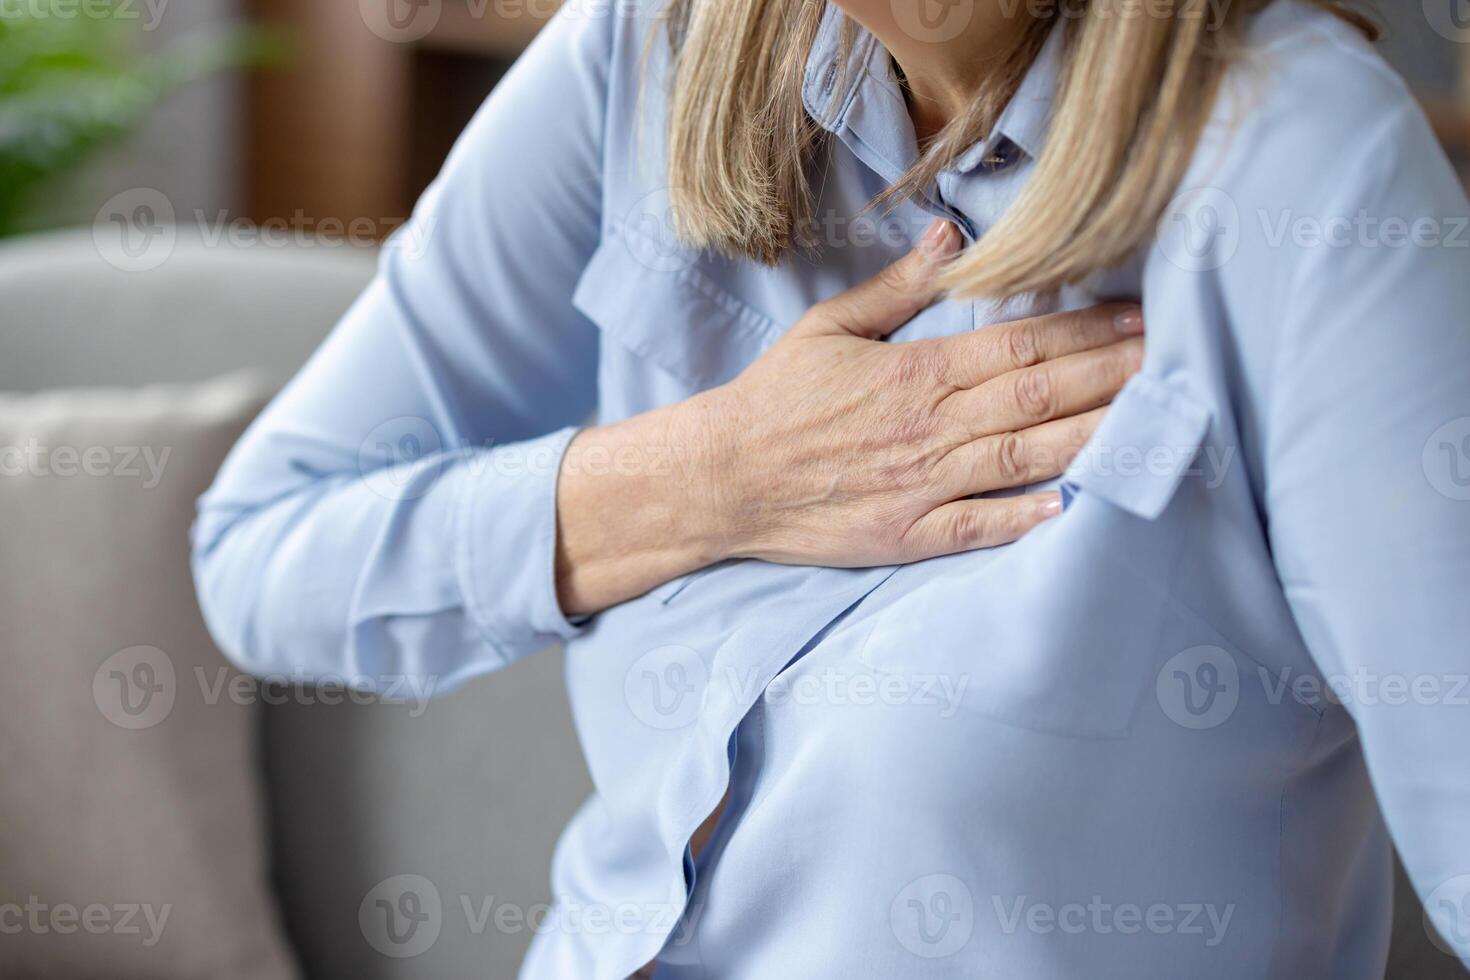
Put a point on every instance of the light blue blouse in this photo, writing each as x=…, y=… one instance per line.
x=1143, y=741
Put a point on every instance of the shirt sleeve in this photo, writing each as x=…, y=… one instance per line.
x=392, y=512
x=1367, y=482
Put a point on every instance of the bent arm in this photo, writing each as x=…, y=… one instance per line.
x=393, y=510
x=1368, y=486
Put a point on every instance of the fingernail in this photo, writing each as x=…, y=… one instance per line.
x=937, y=240
x=1051, y=508
x=1129, y=323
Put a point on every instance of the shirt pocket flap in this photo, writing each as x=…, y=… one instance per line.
x=656, y=302
x=1143, y=449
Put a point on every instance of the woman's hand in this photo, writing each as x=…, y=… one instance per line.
x=835, y=449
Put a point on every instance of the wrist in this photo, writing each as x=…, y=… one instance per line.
x=705, y=434
x=639, y=504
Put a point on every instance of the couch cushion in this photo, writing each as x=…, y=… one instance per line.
x=131, y=838
x=72, y=318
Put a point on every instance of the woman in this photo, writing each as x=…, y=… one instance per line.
x=1109, y=726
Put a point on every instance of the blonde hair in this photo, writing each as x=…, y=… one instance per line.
x=1135, y=93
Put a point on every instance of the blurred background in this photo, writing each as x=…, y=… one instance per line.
x=191, y=193
x=350, y=106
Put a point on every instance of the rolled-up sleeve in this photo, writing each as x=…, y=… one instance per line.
x=1367, y=435
x=392, y=512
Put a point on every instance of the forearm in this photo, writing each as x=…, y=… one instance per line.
x=639, y=503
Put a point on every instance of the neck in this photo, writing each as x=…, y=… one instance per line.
x=943, y=74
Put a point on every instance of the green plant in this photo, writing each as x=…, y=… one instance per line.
x=75, y=78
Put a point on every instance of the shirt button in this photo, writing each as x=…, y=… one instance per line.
x=1004, y=155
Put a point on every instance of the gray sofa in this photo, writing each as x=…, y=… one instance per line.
x=471, y=794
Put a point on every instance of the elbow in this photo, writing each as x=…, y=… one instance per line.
x=225, y=595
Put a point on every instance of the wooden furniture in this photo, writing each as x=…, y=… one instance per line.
x=357, y=124
x=1451, y=119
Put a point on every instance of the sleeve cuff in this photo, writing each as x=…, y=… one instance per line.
x=506, y=550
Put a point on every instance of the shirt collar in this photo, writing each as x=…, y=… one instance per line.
x=870, y=107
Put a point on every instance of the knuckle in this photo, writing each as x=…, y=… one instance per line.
x=971, y=525
x=1023, y=345
x=1035, y=393
x=1010, y=458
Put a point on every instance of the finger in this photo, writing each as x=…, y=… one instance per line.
x=879, y=306
x=973, y=358
x=1015, y=459
x=1055, y=389
x=965, y=525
